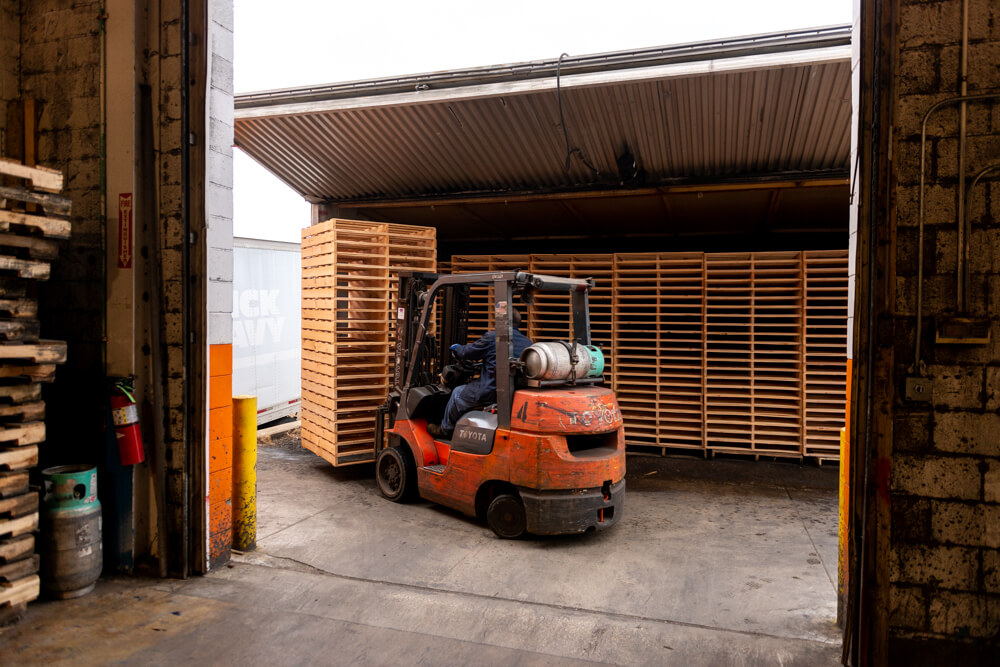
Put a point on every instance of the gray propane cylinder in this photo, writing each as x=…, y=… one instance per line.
x=70, y=540
x=552, y=362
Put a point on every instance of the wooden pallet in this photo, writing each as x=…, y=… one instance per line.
x=17, y=506
x=13, y=482
x=11, y=572
x=21, y=525
x=680, y=307
x=20, y=434
x=18, y=458
x=25, y=412
x=42, y=352
x=15, y=595
x=20, y=393
x=825, y=354
x=29, y=373
x=41, y=178
x=16, y=548
x=637, y=345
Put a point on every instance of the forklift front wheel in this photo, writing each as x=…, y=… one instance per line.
x=396, y=473
x=506, y=516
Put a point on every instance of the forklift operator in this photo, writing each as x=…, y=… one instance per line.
x=483, y=389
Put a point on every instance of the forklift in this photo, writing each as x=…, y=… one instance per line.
x=547, y=458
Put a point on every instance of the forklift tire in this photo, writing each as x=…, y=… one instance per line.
x=396, y=473
x=506, y=517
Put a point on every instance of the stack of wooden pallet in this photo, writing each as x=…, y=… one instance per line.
x=825, y=286
x=33, y=217
x=740, y=353
x=349, y=277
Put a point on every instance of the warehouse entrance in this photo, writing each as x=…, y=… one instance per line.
x=707, y=195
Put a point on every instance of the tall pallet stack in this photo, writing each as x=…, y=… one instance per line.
x=825, y=354
x=33, y=217
x=738, y=353
x=636, y=328
x=349, y=277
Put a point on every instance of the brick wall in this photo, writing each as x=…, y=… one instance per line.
x=10, y=49
x=59, y=69
x=169, y=136
x=944, y=567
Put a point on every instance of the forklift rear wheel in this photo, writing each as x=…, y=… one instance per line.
x=396, y=473
x=506, y=516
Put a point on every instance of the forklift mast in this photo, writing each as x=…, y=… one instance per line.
x=420, y=357
x=431, y=356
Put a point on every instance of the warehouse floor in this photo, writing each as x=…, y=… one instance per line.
x=714, y=562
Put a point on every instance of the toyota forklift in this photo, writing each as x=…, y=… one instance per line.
x=547, y=458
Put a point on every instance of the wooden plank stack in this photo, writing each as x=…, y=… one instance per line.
x=348, y=312
x=33, y=218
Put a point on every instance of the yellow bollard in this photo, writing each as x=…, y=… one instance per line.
x=244, y=473
x=843, y=526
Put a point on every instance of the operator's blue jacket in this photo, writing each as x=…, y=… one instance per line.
x=483, y=389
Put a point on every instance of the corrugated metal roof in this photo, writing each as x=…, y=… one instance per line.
x=733, y=113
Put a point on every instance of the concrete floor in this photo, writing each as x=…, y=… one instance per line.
x=723, y=562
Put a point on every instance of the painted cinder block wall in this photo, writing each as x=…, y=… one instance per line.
x=944, y=480
x=219, y=236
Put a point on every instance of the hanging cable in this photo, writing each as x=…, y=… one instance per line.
x=562, y=122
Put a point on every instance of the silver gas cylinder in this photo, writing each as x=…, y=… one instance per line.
x=552, y=361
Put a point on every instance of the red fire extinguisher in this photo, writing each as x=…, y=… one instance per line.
x=126, y=417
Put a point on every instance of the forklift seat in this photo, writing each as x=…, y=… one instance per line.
x=427, y=402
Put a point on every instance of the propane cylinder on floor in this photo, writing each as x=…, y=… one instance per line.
x=552, y=361
x=70, y=540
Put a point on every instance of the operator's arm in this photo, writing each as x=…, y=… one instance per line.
x=475, y=350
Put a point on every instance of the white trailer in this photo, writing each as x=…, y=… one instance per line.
x=267, y=346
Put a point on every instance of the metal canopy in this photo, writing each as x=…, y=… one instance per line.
x=768, y=107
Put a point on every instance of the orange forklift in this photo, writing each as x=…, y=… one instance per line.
x=547, y=458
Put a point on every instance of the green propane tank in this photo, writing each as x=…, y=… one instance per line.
x=552, y=361
x=70, y=541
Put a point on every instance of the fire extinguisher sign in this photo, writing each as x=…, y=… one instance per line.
x=125, y=230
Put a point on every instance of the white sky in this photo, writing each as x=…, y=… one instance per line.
x=302, y=42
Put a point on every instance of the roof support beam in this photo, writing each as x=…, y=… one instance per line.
x=734, y=186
